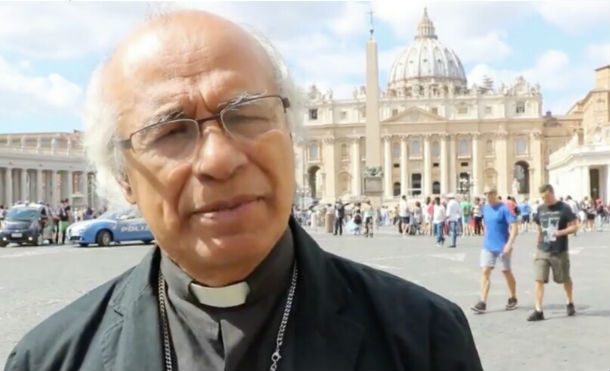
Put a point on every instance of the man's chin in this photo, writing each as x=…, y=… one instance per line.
x=226, y=250
x=236, y=242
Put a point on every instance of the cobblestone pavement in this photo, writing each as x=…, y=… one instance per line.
x=35, y=282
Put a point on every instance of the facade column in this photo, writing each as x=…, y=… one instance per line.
x=538, y=163
x=452, y=164
x=39, y=195
x=404, y=163
x=330, y=169
x=55, y=191
x=356, y=172
x=444, y=165
x=24, y=188
x=476, y=178
x=9, y=187
x=427, y=180
x=387, y=167
x=70, y=187
x=45, y=186
x=502, y=165
x=85, y=188
x=586, y=182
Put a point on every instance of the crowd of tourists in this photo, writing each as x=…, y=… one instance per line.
x=450, y=215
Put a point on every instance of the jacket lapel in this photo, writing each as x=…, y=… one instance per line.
x=133, y=342
x=326, y=338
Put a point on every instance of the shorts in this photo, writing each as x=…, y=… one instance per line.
x=466, y=219
x=404, y=219
x=488, y=259
x=63, y=225
x=558, y=262
x=525, y=218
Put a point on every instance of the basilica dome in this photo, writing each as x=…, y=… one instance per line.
x=426, y=66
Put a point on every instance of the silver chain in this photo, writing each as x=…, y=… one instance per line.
x=167, y=350
x=275, y=357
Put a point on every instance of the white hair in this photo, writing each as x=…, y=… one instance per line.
x=101, y=118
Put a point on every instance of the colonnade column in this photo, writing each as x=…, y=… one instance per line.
x=356, y=172
x=452, y=164
x=444, y=165
x=387, y=167
x=477, y=178
x=404, y=163
x=9, y=187
x=427, y=180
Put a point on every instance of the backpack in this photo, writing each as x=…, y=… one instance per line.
x=357, y=219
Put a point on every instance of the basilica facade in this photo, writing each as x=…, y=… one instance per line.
x=46, y=167
x=428, y=133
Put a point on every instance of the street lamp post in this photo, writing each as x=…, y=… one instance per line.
x=464, y=186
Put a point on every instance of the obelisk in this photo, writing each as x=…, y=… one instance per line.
x=372, y=176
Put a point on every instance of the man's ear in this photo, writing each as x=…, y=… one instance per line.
x=126, y=189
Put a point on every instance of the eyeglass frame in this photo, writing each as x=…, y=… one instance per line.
x=127, y=143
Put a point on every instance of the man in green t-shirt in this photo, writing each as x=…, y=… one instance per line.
x=466, y=207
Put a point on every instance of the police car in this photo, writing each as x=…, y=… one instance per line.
x=111, y=227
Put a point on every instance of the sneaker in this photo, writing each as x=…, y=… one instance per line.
x=479, y=307
x=512, y=304
x=570, y=309
x=536, y=316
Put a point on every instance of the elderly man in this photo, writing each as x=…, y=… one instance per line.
x=191, y=116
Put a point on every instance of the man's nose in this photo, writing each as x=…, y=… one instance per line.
x=217, y=157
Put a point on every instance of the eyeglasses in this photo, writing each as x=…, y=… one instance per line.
x=177, y=139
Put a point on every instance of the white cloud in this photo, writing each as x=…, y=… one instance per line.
x=487, y=48
x=25, y=65
x=351, y=19
x=65, y=30
x=477, y=34
x=575, y=16
x=552, y=71
x=323, y=43
x=598, y=54
x=36, y=94
x=563, y=80
x=453, y=20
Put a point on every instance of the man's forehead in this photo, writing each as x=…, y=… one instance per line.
x=165, y=62
x=185, y=37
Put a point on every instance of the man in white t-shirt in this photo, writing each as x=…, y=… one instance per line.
x=403, y=215
x=454, y=214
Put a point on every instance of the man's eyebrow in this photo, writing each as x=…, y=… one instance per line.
x=167, y=115
x=239, y=98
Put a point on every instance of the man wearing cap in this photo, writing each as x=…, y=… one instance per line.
x=500, y=233
x=191, y=119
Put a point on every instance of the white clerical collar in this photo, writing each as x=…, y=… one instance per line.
x=271, y=276
x=221, y=297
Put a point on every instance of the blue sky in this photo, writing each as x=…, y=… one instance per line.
x=45, y=66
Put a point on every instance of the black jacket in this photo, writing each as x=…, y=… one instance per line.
x=349, y=316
